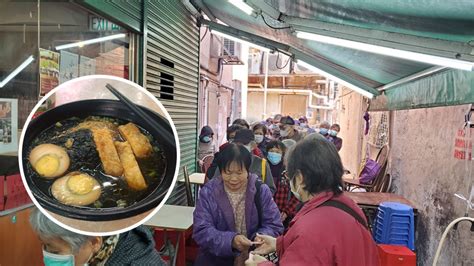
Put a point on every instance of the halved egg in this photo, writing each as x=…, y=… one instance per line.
x=76, y=189
x=49, y=160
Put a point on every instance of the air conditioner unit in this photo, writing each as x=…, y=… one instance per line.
x=230, y=53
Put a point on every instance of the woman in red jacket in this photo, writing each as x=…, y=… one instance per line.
x=330, y=229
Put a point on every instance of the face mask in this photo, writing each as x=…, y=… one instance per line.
x=274, y=157
x=303, y=124
x=258, y=138
x=206, y=139
x=333, y=133
x=323, y=131
x=284, y=133
x=297, y=192
x=51, y=259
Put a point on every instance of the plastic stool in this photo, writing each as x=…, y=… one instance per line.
x=391, y=255
x=395, y=224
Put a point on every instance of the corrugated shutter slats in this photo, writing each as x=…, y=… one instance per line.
x=172, y=71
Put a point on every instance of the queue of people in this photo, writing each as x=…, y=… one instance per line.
x=268, y=201
x=292, y=212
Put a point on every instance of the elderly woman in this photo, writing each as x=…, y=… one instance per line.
x=260, y=132
x=330, y=229
x=284, y=199
x=206, y=145
x=231, y=209
x=63, y=247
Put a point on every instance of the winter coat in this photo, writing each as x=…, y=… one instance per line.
x=135, y=247
x=256, y=168
x=214, y=225
x=326, y=236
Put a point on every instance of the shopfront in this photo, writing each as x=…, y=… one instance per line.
x=155, y=44
x=46, y=43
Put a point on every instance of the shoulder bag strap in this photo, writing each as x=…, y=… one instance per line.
x=341, y=206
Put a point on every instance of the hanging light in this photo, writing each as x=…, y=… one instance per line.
x=412, y=56
x=242, y=6
x=332, y=77
x=91, y=41
x=17, y=70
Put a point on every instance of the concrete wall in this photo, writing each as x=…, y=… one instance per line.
x=349, y=116
x=255, y=105
x=425, y=171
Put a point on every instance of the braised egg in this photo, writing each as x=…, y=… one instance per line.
x=76, y=189
x=49, y=160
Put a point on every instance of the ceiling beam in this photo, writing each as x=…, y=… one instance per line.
x=296, y=53
x=262, y=6
x=272, y=45
x=430, y=46
x=421, y=74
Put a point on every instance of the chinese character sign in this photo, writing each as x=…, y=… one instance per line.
x=463, y=144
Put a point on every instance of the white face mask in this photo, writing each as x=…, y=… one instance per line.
x=297, y=192
x=258, y=138
x=284, y=133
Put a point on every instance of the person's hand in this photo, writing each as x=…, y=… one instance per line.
x=283, y=216
x=241, y=243
x=267, y=244
x=254, y=260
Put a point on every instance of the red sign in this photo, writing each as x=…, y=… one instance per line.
x=463, y=145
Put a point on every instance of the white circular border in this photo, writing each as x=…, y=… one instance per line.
x=64, y=86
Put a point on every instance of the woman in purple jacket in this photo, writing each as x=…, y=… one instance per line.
x=227, y=218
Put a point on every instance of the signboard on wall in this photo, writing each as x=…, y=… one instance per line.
x=86, y=66
x=101, y=24
x=463, y=144
x=69, y=67
x=8, y=125
x=49, y=71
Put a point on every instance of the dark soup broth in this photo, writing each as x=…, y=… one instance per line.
x=75, y=135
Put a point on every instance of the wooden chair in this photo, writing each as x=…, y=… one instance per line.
x=187, y=185
x=206, y=163
x=380, y=182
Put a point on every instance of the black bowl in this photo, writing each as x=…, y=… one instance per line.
x=108, y=108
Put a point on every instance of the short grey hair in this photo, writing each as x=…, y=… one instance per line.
x=288, y=143
x=44, y=227
x=325, y=124
x=315, y=136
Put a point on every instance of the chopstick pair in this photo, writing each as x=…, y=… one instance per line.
x=166, y=136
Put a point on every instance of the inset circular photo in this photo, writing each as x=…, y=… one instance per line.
x=99, y=155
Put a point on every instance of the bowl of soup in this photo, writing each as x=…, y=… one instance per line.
x=97, y=160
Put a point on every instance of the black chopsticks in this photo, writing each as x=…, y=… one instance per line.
x=165, y=135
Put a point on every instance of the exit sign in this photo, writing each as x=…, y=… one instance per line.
x=101, y=24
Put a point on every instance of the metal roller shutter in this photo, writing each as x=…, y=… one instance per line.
x=171, y=72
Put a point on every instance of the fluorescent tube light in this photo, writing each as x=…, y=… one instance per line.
x=329, y=76
x=242, y=6
x=412, y=56
x=240, y=41
x=16, y=71
x=91, y=41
